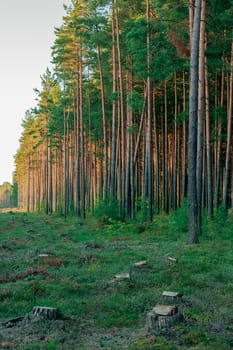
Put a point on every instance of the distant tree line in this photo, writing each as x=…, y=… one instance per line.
x=8, y=196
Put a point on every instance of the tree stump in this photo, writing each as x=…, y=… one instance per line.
x=44, y=255
x=172, y=296
x=151, y=321
x=139, y=264
x=165, y=310
x=122, y=276
x=48, y=313
x=161, y=317
x=171, y=260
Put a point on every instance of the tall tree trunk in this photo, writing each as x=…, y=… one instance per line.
x=175, y=141
x=66, y=176
x=208, y=148
x=156, y=163
x=47, y=175
x=113, y=169
x=191, y=19
x=83, y=179
x=129, y=181
x=201, y=114
x=149, y=122
x=166, y=192
x=184, y=145
x=218, y=146
x=192, y=140
x=105, y=164
x=28, y=183
x=121, y=110
x=77, y=152
x=229, y=137
x=50, y=184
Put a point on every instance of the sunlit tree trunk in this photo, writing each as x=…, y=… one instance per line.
x=156, y=161
x=121, y=109
x=105, y=163
x=66, y=170
x=82, y=155
x=113, y=169
x=129, y=181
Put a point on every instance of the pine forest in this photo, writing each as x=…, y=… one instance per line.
x=136, y=115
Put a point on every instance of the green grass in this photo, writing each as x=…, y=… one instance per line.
x=77, y=278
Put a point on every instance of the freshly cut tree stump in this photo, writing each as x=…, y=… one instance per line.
x=48, y=313
x=137, y=269
x=161, y=317
x=165, y=310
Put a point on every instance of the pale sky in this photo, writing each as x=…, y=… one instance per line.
x=26, y=37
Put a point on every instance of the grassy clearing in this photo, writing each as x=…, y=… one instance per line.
x=76, y=277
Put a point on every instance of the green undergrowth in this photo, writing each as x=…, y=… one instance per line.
x=71, y=263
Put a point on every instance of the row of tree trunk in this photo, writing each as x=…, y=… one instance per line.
x=110, y=132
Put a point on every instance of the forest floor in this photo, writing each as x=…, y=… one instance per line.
x=70, y=264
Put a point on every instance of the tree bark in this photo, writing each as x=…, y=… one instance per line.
x=208, y=149
x=166, y=194
x=113, y=169
x=105, y=167
x=121, y=110
x=229, y=137
x=201, y=114
x=149, y=123
x=192, y=139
